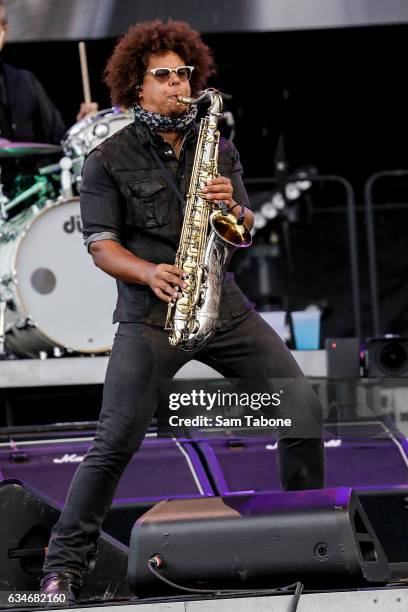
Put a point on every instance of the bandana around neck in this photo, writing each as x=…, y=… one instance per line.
x=163, y=123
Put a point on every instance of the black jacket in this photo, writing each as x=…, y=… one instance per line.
x=34, y=117
x=124, y=194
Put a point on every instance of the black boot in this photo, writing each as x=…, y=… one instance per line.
x=61, y=587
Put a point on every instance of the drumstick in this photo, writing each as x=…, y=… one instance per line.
x=2, y=37
x=84, y=72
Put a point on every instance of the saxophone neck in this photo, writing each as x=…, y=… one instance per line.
x=210, y=94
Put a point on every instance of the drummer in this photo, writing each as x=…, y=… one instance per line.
x=26, y=111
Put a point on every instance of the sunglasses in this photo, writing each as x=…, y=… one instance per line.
x=163, y=74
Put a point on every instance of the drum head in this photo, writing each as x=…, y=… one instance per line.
x=107, y=126
x=70, y=300
x=91, y=131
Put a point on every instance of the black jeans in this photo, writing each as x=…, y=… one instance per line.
x=140, y=355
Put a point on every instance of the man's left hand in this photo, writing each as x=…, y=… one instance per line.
x=219, y=190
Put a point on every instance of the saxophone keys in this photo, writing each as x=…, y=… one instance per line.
x=183, y=304
x=193, y=326
x=189, y=267
x=176, y=338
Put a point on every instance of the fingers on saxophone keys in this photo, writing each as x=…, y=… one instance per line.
x=163, y=295
x=176, y=279
x=181, y=273
x=218, y=196
x=216, y=184
x=173, y=292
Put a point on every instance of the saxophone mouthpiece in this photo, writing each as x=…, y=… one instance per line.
x=184, y=100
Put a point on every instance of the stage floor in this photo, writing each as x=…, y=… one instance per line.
x=91, y=370
x=387, y=599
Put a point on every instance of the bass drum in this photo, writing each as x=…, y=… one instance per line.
x=56, y=297
x=88, y=133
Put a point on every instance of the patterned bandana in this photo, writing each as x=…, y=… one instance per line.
x=163, y=123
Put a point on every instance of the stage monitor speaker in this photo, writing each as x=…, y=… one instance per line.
x=322, y=538
x=387, y=510
x=26, y=520
x=387, y=357
x=162, y=468
x=358, y=454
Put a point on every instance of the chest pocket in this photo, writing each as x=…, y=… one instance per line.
x=148, y=203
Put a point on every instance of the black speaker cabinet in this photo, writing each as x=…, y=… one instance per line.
x=321, y=537
x=387, y=510
x=162, y=468
x=343, y=358
x=26, y=520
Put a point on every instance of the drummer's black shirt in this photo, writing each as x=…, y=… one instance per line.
x=26, y=114
x=125, y=197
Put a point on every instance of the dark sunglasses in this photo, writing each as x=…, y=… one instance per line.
x=163, y=74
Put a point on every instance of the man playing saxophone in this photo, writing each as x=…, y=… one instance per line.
x=132, y=217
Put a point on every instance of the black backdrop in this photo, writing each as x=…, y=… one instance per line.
x=341, y=99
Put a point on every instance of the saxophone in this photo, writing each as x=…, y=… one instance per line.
x=208, y=240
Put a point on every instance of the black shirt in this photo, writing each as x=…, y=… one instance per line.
x=125, y=197
x=6, y=130
x=33, y=116
x=26, y=114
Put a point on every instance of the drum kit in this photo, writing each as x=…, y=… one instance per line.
x=53, y=300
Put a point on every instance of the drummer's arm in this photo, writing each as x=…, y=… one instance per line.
x=87, y=109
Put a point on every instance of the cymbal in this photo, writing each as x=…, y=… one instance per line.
x=26, y=149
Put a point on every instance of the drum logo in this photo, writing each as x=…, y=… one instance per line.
x=73, y=224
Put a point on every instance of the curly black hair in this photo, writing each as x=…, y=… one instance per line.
x=127, y=66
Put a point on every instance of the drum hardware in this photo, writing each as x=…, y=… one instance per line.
x=84, y=136
x=6, y=279
x=77, y=164
x=7, y=232
x=3, y=308
x=21, y=324
x=90, y=132
x=66, y=177
x=40, y=187
x=3, y=201
x=57, y=352
x=10, y=149
x=50, y=169
x=6, y=298
x=69, y=170
x=50, y=288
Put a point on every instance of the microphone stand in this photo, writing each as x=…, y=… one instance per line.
x=281, y=175
x=371, y=245
x=351, y=234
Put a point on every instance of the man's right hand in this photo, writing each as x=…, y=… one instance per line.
x=163, y=278
x=120, y=263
